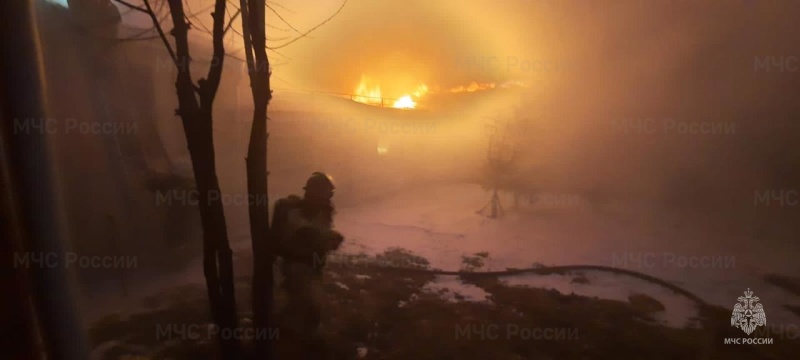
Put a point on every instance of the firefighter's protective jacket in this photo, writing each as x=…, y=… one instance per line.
x=302, y=237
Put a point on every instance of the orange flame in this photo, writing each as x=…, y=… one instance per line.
x=369, y=92
x=405, y=102
x=473, y=87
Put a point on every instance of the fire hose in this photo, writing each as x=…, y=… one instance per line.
x=544, y=270
x=548, y=270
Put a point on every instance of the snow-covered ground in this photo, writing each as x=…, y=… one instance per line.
x=440, y=223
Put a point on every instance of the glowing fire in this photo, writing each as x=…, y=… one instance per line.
x=473, y=87
x=421, y=90
x=369, y=92
x=405, y=102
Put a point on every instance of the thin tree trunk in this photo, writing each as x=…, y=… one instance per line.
x=196, y=115
x=263, y=251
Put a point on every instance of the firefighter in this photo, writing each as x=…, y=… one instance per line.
x=304, y=227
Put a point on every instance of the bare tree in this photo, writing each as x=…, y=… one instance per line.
x=254, y=35
x=501, y=155
x=195, y=109
x=263, y=245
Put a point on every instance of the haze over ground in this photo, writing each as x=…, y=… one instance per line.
x=668, y=120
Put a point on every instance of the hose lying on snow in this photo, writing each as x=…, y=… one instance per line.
x=547, y=270
x=544, y=270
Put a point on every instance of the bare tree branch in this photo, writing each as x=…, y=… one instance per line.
x=161, y=32
x=246, y=35
x=230, y=22
x=237, y=32
x=210, y=86
x=282, y=19
x=310, y=30
x=276, y=28
x=194, y=15
x=281, y=6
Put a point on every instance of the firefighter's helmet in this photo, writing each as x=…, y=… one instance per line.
x=320, y=183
